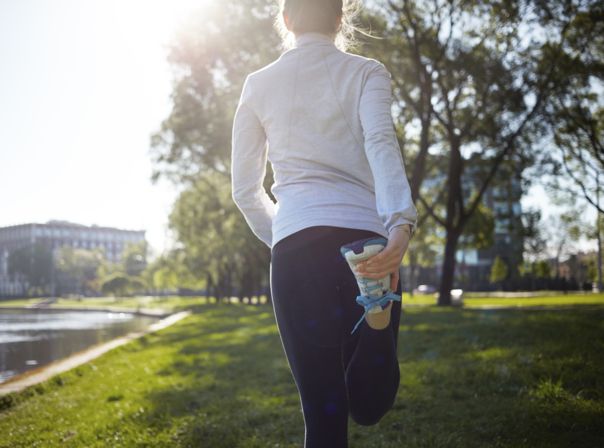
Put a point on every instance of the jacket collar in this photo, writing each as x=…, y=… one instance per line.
x=313, y=38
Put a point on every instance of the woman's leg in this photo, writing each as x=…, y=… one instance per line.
x=310, y=321
x=314, y=293
x=371, y=364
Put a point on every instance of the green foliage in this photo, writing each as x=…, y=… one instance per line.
x=163, y=272
x=538, y=269
x=78, y=265
x=119, y=284
x=215, y=49
x=575, y=114
x=532, y=236
x=217, y=242
x=470, y=85
x=423, y=248
x=592, y=270
x=478, y=232
x=499, y=270
x=215, y=249
x=116, y=284
x=542, y=269
x=134, y=258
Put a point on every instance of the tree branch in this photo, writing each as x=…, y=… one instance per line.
x=431, y=210
x=581, y=184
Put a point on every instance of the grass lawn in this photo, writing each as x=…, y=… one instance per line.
x=219, y=378
x=177, y=303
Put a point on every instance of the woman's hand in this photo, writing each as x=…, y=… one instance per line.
x=388, y=260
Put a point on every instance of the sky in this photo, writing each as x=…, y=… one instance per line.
x=83, y=86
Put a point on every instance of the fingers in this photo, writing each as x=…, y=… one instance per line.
x=378, y=265
x=378, y=259
x=378, y=275
x=385, y=262
x=376, y=271
x=394, y=280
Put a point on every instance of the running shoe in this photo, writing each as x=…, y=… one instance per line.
x=375, y=294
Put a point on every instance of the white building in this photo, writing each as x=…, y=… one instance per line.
x=54, y=234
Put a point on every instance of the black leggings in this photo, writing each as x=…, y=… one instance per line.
x=336, y=373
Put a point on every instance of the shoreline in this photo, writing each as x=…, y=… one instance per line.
x=43, y=373
x=148, y=312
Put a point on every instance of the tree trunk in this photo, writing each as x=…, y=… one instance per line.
x=599, y=238
x=454, y=214
x=599, y=256
x=419, y=168
x=412, y=277
x=448, y=270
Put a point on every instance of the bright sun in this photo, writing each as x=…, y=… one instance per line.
x=155, y=20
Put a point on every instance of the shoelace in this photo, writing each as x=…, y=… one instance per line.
x=370, y=285
x=370, y=302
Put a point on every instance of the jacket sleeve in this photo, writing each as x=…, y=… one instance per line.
x=393, y=194
x=248, y=169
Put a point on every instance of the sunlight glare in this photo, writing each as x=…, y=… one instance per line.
x=154, y=21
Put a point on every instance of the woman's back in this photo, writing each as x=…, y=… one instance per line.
x=322, y=117
x=325, y=115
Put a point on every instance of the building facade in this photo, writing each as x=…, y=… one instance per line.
x=53, y=235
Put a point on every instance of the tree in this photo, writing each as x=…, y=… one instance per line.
x=597, y=233
x=575, y=114
x=77, y=267
x=425, y=250
x=217, y=244
x=162, y=273
x=210, y=68
x=499, y=271
x=533, y=235
x=192, y=148
x=473, y=84
x=579, y=268
x=564, y=230
x=117, y=284
x=134, y=258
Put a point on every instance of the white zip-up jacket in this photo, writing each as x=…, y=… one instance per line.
x=323, y=119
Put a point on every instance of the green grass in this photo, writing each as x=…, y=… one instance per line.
x=545, y=300
x=176, y=303
x=219, y=378
x=474, y=300
x=19, y=302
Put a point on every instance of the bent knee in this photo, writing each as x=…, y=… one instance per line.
x=367, y=418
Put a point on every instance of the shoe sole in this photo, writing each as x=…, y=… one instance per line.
x=381, y=319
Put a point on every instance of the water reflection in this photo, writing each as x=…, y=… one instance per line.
x=32, y=338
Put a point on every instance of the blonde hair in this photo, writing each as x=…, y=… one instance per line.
x=318, y=16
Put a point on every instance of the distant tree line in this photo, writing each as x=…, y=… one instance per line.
x=543, y=275
x=79, y=271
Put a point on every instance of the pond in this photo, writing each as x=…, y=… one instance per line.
x=31, y=338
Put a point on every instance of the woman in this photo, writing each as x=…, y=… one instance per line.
x=322, y=116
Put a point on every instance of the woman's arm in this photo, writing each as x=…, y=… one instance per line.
x=393, y=194
x=248, y=168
